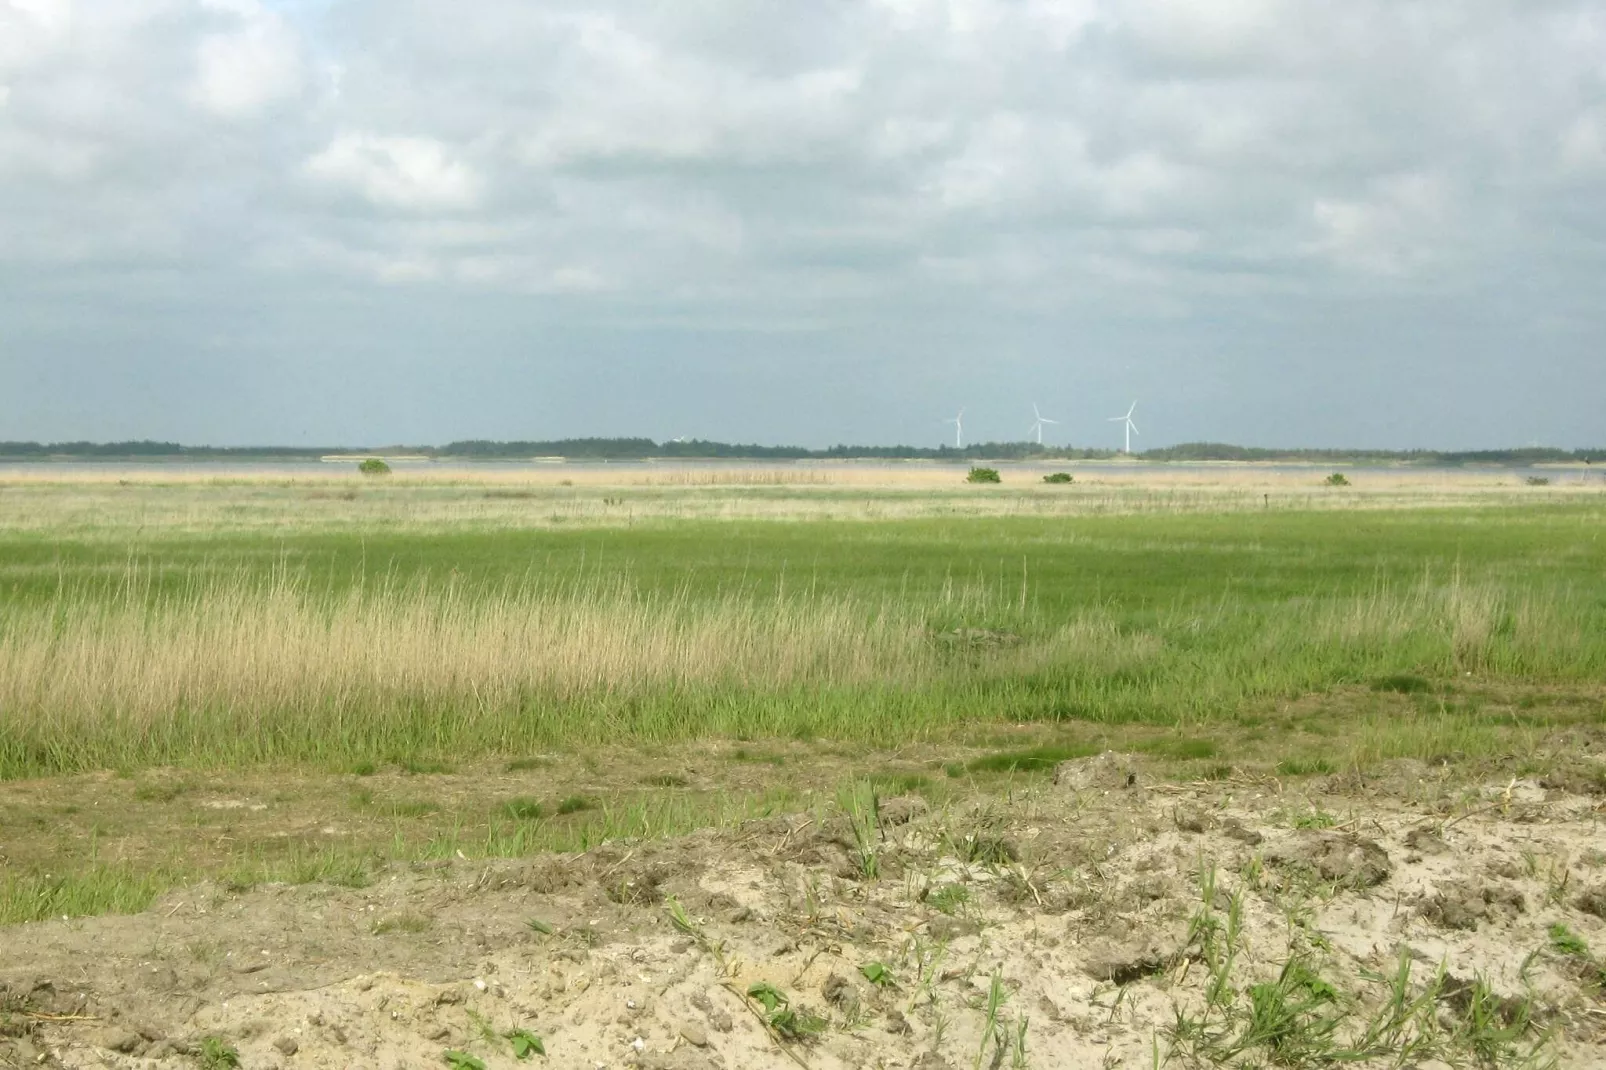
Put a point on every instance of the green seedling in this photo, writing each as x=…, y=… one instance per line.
x=539, y=926
x=1567, y=942
x=949, y=899
x=462, y=1060
x=218, y=1054
x=525, y=1043
x=768, y=996
x=878, y=974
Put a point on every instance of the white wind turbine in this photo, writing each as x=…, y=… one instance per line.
x=1131, y=428
x=1037, y=425
x=959, y=429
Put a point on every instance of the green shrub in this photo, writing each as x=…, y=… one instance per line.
x=983, y=475
x=1059, y=477
x=1337, y=479
x=373, y=466
x=1538, y=481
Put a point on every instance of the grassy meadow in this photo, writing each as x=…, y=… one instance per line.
x=281, y=632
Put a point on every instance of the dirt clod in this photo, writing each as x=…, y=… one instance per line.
x=1234, y=829
x=1347, y=861
x=1593, y=901
x=122, y=1041
x=1463, y=907
x=1104, y=772
x=902, y=809
x=838, y=991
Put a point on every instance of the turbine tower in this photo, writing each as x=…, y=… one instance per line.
x=1131, y=428
x=959, y=429
x=1037, y=425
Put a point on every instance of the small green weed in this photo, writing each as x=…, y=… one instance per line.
x=878, y=974
x=1567, y=942
x=1031, y=760
x=1183, y=749
x=575, y=804
x=215, y=1053
x=462, y=1060
x=787, y=1023
x=950, y=899
x=525, y=1043
x=1304, y=767
x=522, y=809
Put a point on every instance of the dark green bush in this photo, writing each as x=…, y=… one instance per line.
x=373, y=466
x=984, y=475
x=1337, y=479
x=1059, y=477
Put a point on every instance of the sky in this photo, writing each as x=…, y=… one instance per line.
x=1375, y=223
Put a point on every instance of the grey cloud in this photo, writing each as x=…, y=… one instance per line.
x=1219, y=200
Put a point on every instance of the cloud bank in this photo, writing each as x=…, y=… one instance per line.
x=1364, y=222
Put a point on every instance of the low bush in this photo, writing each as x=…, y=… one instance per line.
x=984, y=475
x=1059, y=477
x=373, y=466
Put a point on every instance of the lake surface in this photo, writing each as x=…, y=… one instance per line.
x=1136, y=471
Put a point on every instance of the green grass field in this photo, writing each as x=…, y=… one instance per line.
x=140, y=645
x=189, y=691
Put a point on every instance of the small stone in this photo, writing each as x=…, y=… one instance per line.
x=694, y=1035
x=287, y=1046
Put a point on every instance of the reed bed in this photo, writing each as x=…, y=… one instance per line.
x=241, y=671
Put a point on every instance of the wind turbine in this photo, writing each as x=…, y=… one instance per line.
x=1037, y=425
x=1131, y=428
x=959, y=429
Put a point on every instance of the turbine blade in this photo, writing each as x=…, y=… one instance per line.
x=1134, y=428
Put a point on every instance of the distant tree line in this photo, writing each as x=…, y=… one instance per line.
x=635, y=449
x=1221, y=451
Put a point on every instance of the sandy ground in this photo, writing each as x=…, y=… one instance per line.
x=1080, y=910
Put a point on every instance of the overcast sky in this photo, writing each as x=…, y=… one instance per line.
x=1274, y=222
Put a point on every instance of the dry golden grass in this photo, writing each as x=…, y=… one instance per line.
x=228, y=671
x=101, y=506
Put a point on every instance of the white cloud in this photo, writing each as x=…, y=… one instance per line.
x=1583, y=145
x=1394, y=230
x=248, y=67
x=398, y=172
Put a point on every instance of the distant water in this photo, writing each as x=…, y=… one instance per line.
x=293, y=469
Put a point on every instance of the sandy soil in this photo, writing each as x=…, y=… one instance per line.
x=1079, y=907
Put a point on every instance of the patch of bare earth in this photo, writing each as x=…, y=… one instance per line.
x=1101, y=919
